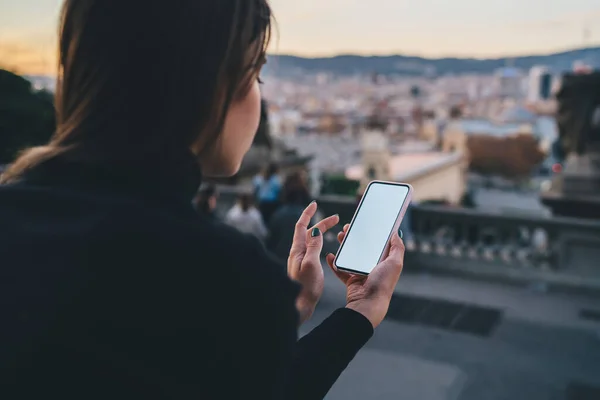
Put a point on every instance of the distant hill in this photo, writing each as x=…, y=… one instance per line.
x=284, y=65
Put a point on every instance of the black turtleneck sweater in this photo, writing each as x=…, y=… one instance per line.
x=112, y=287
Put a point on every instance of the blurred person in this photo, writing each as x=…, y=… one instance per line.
x=112, y=284
x=206, y=201
x=246, y=218
x=267, y=188
x=295, y=197
x=468, y=199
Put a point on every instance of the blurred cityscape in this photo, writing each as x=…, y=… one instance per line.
x=499, y=299
x=499, y=295
x=424, y=121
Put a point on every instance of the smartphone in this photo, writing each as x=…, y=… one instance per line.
x=377, y=217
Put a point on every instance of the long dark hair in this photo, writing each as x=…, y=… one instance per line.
x=147, y=80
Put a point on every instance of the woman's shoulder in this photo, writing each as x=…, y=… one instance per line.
x=183, y=240
x=205, y=258
x=256, y=267
x=240, y=250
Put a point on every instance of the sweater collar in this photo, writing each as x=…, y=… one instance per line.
x=177, y=180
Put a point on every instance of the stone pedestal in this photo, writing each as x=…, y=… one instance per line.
x=576, y=191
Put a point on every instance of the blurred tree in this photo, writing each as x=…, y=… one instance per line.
x=26, y=116
x=339, y=185
x=512, y=157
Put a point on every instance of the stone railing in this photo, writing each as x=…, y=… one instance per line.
x=550, y=251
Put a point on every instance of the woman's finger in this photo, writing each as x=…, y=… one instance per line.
x=327, y=223
x=397, y=250
x=314, y=240
x=342, y=276
x=300, y=236
x=390, y=268
x=346, y=227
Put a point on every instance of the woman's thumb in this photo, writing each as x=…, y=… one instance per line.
x=396, y=254
x=389, y=270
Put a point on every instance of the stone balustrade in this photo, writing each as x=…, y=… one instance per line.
x=550, y=251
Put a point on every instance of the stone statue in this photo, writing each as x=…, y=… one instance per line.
x=575, y=192
x=578, y=115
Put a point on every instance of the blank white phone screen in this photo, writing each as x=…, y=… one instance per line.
x=372, y=226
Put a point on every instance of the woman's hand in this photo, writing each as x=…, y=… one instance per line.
x=371, y=295
x=304, y=262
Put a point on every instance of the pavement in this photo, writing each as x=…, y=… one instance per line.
x=540, y=349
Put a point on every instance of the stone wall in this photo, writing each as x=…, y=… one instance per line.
x=558, y=252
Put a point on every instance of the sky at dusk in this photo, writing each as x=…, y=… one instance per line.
x=431, y=28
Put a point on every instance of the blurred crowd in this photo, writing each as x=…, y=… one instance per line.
x=269, y=211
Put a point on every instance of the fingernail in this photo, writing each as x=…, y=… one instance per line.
x=400, y=233
x=315, y=232
x=336, y=215
x=314, y=201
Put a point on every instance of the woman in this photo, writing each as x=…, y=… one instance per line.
x=111, y=285
x=268, y=188
x=246, y=218
x=294, y=197
x=206, y=201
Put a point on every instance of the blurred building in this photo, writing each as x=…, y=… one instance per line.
x=376, y=156
x=582, y=67
x=517, y=115
x=509, y=82
x=540, y=83
x=284, y=122
x=430, y=131
x=42, y=82
x=455, y=138
x=265, y=149
x=434, y=175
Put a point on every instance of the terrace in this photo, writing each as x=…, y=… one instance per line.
x=488, y=307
